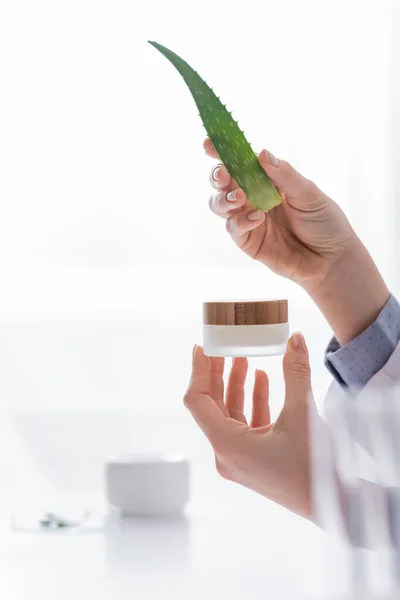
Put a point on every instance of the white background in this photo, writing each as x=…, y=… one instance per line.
x=105, y=232
x=101, y=155
x=107, y=245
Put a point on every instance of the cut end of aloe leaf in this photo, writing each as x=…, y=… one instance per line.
x=228, y=140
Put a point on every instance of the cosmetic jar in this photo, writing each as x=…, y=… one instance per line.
x=245, y=328
x=147, y=484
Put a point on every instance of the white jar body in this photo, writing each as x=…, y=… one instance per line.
x=245, y=340
x=148, y=485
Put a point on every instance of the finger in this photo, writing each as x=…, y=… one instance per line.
x=220, y=178
x=235, y=389
x=296, y=371
x=209, y=148
x=239, y=224
x=300, y=192
x=200, y=381
x=223, y=203
x=217, y=383
x=199, y=402
x=261, y=415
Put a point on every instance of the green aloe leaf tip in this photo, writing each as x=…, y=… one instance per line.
x=228, y=140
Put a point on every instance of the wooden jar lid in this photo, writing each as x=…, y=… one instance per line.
x=261, y=312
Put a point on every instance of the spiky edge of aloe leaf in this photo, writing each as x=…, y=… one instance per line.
x=228, y=139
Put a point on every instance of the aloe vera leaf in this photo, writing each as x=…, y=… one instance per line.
x=228, y=139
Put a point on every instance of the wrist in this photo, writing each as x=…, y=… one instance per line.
x=352, y=293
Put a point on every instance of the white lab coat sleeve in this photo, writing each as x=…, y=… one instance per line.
x=380, y=385
x=386, y=377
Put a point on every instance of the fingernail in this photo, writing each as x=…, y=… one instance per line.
x=254, y=216
x=231, y=196
x=194, y=349
x=215, y=173
x=297, y=342
x=271, y=159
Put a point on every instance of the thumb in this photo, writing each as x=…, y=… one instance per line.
x=296, y=371
x=301, y=193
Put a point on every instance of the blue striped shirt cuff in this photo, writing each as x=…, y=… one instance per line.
x=355, y=363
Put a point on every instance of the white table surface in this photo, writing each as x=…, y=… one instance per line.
x=214, y=553
x=230, y=543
